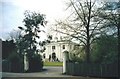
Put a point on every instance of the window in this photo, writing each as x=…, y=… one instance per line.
x=53, y=47
x=63, y=47
x=44, y=55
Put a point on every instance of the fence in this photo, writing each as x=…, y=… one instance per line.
x=8, y=66
x=5, y=66
x=92, y=69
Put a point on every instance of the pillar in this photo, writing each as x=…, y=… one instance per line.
x=65, y=59
x=26, y=64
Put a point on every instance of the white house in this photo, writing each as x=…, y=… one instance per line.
x=58, y=47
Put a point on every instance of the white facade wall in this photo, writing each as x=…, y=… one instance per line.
x=58, y=49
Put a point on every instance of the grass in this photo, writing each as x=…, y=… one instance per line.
x=53, y=63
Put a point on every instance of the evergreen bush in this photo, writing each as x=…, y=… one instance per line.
x=35, y=63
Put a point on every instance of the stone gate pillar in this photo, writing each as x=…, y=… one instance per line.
x=26, y=64
x=65, y=59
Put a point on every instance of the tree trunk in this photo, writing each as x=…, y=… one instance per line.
x=88, y=36
x=88, y=47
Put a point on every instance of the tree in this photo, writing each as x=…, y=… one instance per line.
x=105, y=49
x=110, y=12
x=32, y=22
x=16, y=36
x=85, y=24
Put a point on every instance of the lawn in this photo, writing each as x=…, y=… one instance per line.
x=53, y=63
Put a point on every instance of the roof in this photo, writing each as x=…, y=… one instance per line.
x=62, y=42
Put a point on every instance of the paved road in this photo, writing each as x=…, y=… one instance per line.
x=49, y=72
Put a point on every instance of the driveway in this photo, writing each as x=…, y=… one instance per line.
x=47, y=72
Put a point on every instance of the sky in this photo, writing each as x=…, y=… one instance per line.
x=12, y=13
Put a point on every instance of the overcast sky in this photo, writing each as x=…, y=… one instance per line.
x=12, y=12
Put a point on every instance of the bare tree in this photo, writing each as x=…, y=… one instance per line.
x=15, y=35
x=83, y=24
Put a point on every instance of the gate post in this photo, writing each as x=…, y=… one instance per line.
x=26, y=63
x=65, y=59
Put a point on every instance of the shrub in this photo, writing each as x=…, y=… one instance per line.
x=35, y=63
x=104, y=50
x=74, y=58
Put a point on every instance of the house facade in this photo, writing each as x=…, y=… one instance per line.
x=57, y=48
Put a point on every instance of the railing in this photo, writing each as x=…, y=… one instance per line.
x=92, y=69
